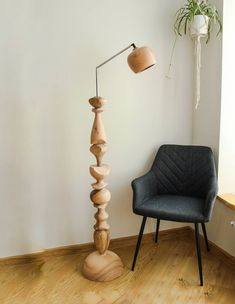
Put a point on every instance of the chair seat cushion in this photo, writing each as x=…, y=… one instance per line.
x=173, y=208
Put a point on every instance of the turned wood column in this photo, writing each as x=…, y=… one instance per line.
x=101, y=265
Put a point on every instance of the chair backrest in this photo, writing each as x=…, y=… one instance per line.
x=184, y=170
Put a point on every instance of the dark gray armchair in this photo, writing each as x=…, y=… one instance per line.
x=181, y=186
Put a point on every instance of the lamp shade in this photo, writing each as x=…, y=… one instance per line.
x=141, y=59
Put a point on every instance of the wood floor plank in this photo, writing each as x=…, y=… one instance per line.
x=165, y=273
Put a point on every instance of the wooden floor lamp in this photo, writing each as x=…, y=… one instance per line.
x=103, y=264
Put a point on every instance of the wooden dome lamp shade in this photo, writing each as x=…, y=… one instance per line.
x=141, y=59
x=104, y=265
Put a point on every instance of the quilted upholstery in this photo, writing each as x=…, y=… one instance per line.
x=181, y=185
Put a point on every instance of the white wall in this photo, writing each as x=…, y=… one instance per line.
x=48, y=51
x=214, y=120
x=222, y=232
x=227, y=127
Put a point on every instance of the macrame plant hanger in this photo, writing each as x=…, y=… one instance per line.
x=199, y=29
x=199, y=32
x=197, y=52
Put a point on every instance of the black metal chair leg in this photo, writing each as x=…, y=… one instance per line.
x=157, y=230
x=138, y=242
x=205, y=236
x=198, y=253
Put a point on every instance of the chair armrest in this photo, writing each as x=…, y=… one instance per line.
x=144, y=187
x=210, y=198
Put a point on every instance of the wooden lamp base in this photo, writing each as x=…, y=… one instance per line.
x=102, y=267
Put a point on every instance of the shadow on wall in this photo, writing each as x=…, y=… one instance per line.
x=15, y=215
x=37, y=176
x=120, y=210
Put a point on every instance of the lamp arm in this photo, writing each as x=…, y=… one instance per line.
x=106, y=61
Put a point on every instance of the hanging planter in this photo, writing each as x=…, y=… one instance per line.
x=199, y=26
x=197, y=18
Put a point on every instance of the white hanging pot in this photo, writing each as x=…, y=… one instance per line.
x=199, y=25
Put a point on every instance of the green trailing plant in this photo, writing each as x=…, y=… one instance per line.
x=185, y=15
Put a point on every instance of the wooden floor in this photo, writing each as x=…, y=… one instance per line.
x=165, y=273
